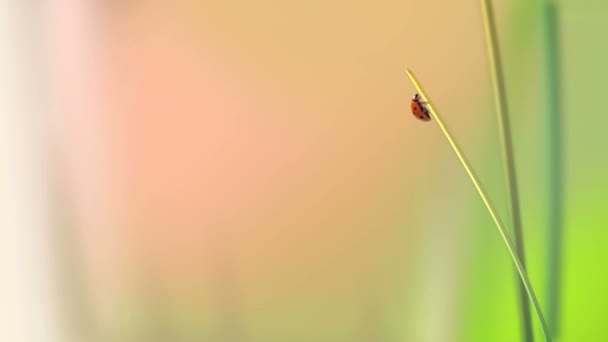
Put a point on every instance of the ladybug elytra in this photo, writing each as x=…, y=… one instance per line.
x=419, y=108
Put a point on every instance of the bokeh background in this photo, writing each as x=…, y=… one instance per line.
x=243, y=171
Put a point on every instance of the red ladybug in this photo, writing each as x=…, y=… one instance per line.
x=419, y=108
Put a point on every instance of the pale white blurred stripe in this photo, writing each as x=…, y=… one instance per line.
x=29, y=310
x=435, y=297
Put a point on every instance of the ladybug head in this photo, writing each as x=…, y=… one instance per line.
x=416, y=96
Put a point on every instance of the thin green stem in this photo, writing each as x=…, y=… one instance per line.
x=502, y=112
x=486, y=200
x=553, y=145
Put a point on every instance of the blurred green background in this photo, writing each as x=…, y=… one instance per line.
x=251, y=172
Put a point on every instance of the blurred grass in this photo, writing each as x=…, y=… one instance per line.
x=552, y=131
x=583, y=182
x=502, y=112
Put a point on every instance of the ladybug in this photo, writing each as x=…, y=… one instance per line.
x=419, y=108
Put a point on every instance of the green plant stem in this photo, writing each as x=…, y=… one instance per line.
x=486, y=200
x=553, y=147
x=502, y=112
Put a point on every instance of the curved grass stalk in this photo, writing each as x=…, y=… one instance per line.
x=486, y=200
x=504, y=128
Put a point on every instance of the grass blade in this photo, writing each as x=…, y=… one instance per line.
x=502, y=112
x=553, y=146
x=486, y=200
